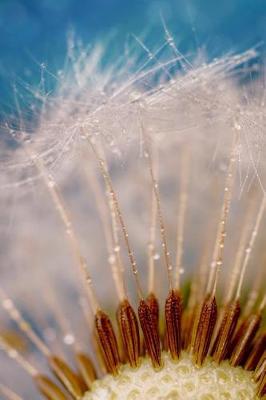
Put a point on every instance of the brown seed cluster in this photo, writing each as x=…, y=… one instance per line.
x=238, y=339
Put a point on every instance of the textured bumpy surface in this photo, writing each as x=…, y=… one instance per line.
x=181, y=380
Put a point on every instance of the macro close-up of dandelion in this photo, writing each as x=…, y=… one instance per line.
x=133, y=217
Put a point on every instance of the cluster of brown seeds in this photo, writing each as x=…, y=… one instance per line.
x=198, y=326
x=237, y=338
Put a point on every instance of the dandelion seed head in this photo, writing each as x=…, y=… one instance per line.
x=82, y=190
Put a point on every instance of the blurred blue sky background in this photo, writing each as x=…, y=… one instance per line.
x=35, y=31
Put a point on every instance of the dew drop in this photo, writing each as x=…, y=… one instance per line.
x=12, y=353
x=69, y=339
x=51, y=182
x=111, y=259
x=237, y=126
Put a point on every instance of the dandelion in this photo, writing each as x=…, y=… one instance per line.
x=133, y=210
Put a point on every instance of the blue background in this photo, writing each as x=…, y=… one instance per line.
x=34, y=32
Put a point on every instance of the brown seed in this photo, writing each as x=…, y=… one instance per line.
x=66, y=376
x=219, y=326
x=242, y=347
x=86, y=368
x=129, y=330
x=107, y=341
x=204, y=330
x=240, y=330
x=261, y=367
x=256, y=352
x=173, y=315
x=165, y=341
x=228, y=325
x=188, y=318
x=195, y=325
x=152, y=302
x=262, y=384
x=49, y=390
x=151, y=334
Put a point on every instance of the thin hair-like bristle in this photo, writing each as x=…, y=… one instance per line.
x=168, y=264
x=217, y=259
x=58, y=201
x=15, y=355
x=151, y=243
x=232, y=281
x=250, y=245
x=110, y=234
x=181, y=214
x=61, y=208
x=10, y=395
x=25, y=327
x=115, y=203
